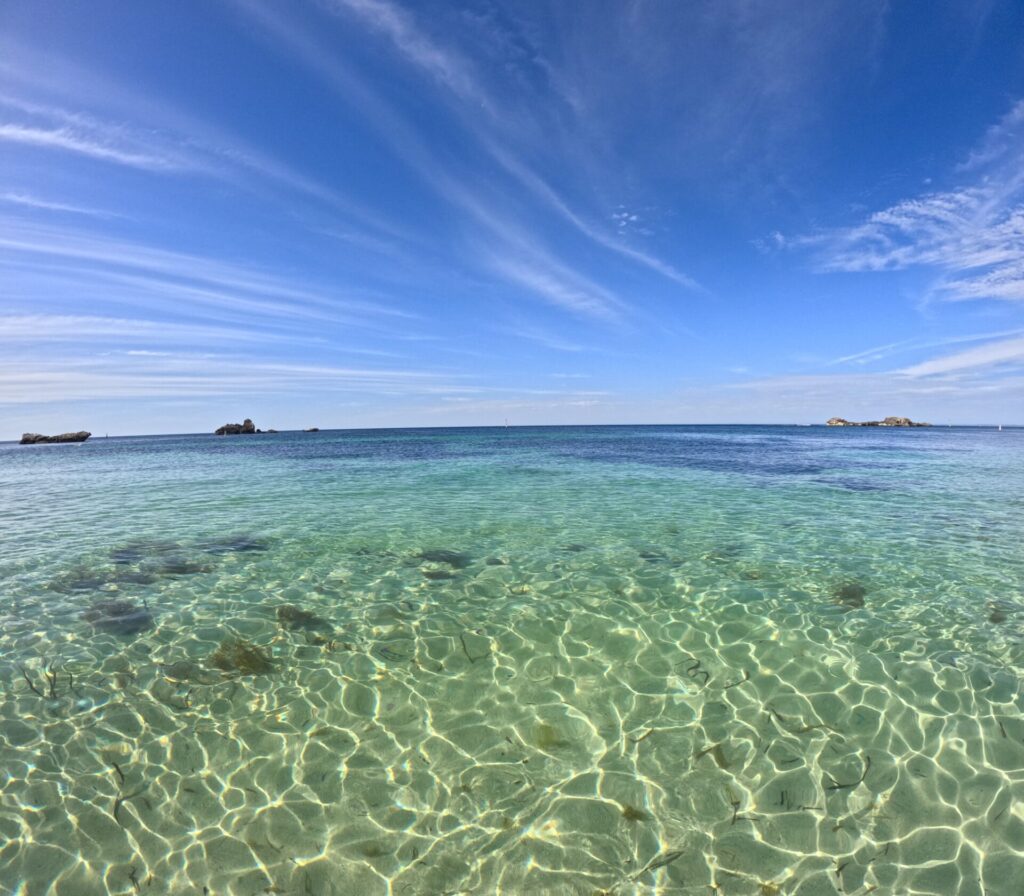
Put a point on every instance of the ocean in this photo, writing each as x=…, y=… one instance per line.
x=553, y=660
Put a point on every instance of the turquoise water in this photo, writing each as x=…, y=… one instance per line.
x=621, y=660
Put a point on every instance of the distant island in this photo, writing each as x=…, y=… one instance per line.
x=888, y=421
x=34, y=438
x=247, y=427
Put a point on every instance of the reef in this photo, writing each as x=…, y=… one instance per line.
x=888, y=421
x=236, y=656
x=121, y=617
x=34, y=438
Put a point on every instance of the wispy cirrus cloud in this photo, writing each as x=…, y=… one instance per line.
x=66, y=139
x=903, y=346
x=503, y=210
x=108, y=122
x=32, y=329
x=28, y=200
x=971, y=234
x=182, y=283
x=558, y=285
x=166, y=374
x=1005, y=353
x=397, y=24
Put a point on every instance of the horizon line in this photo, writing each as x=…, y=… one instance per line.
x=143, y=435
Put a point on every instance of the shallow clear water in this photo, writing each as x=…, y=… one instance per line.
x=743, y=660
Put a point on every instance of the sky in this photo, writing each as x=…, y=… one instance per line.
x=368, y=213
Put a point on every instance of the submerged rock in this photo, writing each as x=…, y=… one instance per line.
x=121, y=617
x=850, y=594
x=999, y=611
x=652, y=556
x=179, y=566
x=232, y=544
x=79, y=578
x=454, y=559
x=34, y=438
x=236, y=656
x=87, y=578
x=436, y=574
x=141, y=549
x=496, y=561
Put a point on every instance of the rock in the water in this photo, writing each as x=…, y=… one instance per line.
x=246, y=427
x=455, y=559
x=138, y=550
x=232, y=544
x=179, y=566
x=34, y=438
x=122, y=617
x=313, y=429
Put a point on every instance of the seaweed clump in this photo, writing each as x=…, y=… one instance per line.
x=635, y=813
x=291, y=617
x=547, y=737
x=236, y=656
x=850, y=595
x=122, y=617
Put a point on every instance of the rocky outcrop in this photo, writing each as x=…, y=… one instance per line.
x=247, y=427
x=313, y=429
x=33, y=438
x=888, y=421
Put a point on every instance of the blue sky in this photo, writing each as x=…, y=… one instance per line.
x=380, y=213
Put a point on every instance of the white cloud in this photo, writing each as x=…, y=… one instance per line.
x=983, y=357
x=972, y=234
x=187, y=277
x=29, y=201
x=41, y=328
x=398, y=25
x=500, y=212
x=66, y=139
x=161, y=375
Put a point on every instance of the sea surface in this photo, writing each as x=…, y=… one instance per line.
x=608, y=660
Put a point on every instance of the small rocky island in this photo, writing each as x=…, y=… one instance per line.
x=34, y=438
x=245, y=428
x=888, y=421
